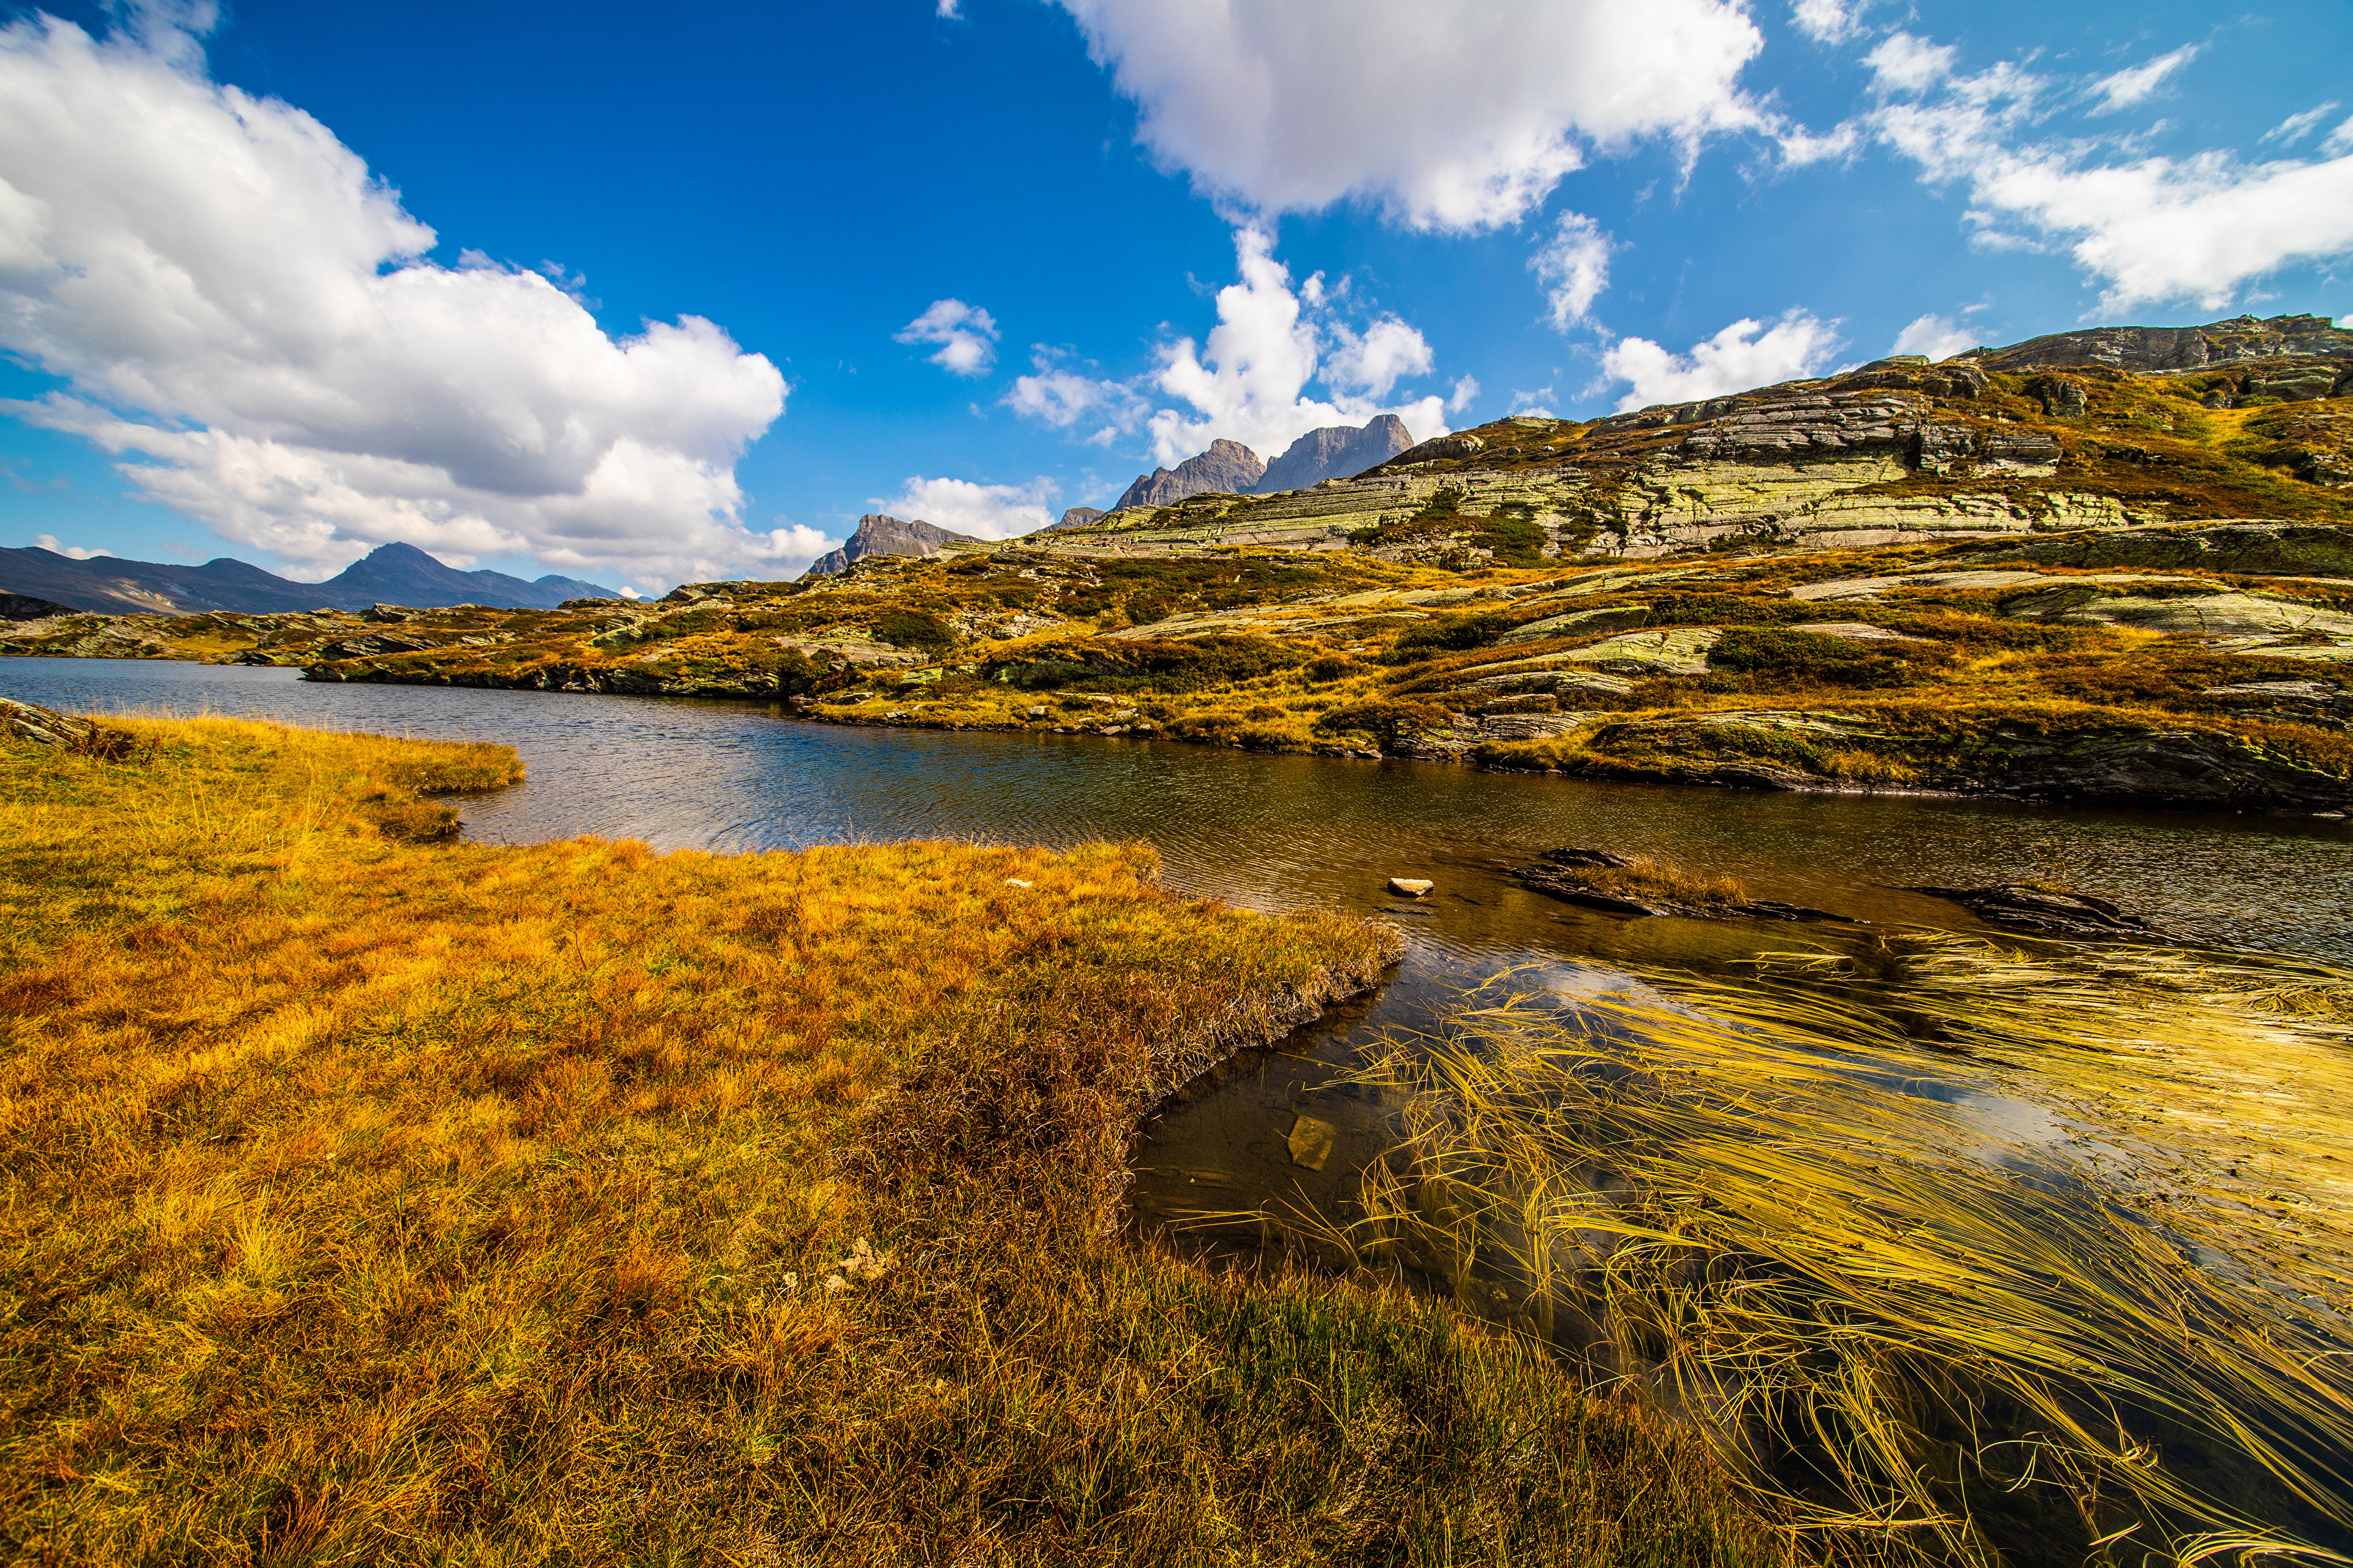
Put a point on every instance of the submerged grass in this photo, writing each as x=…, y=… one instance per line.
x=2103, y=1320
x=369, y=1196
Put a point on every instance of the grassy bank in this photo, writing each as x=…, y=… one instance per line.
x=370, y=1195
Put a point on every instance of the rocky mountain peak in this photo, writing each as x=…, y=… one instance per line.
x=879, y=534
x=1228, y=467
x=1335, y=452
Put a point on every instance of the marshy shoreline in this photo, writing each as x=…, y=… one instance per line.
x=380, y=1193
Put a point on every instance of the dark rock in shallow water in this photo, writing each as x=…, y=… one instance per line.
x=1581, y=876
x=2048, y=911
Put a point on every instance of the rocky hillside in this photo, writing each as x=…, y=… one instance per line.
x=2256, y=425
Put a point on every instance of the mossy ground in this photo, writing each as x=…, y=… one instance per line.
x=376, y=1198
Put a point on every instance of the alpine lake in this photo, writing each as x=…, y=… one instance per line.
x=1222, y=1167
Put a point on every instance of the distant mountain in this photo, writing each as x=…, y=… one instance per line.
x=391, y=574
x=1228, y=468
x=1335, y=452
x=404, y=574
x=880, y=535
x=1080, y=516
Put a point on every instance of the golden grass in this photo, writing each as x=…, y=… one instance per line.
x=375, y=1199
x=1933, y=1338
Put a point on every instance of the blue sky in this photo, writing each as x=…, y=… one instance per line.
x=703, y=285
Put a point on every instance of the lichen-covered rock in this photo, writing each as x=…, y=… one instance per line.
x=65, y=732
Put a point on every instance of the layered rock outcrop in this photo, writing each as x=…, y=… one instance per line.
x=878, y=533
x=2160, y=350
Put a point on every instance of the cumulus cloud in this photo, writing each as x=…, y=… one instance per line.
x=1247, y=382
x=2151, y=229
x=967, y=335
x=1938, y=337
x=1574, y=265
x=48, y=541
x=230, y=294
x=1450, y=117
x=1905, y=62
x=1744, y=355
x=1465, y=394
x=1373, y=361
x=2127, y=87
x=984, y=512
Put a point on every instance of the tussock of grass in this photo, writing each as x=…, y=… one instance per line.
x=378, y=1200
x=1760, y=1203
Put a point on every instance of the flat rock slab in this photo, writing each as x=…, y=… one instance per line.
x=1410, y=887
x=2047, y=911
x=1680, y=651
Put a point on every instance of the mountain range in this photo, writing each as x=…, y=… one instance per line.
x=389, y=575
x=1228, y=467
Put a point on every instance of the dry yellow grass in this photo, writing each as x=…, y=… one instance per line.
x=373, y=1199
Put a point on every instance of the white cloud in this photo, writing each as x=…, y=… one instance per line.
x=1744, y=355
x=1372, y=363
x=48, y=541
x=1246, y=384
x=1466, y=393
x=2296, y=127
x=1938, y=337
x=1575, y=266
x=1450, y=117
x=1828, y=21
x=1906, y=62
x=1538, y=402
x=967, y=335
x=2127, y=87
x=984, y=512
x=227, y=291
x=2339, y=140
x=951, y=9
x=2197, y=228
x=1800, y=146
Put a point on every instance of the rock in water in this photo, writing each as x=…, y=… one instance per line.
x=1311, y=1141
x=1410, y=887
x=2046, y=911
x=1228, y=467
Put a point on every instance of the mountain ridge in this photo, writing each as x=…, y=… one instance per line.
x=390, y=574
